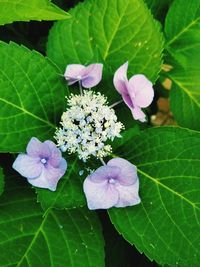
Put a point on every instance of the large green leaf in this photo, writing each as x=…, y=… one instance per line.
x=116, y=30
x=32, y=97
x=183, y=44
x=166, y=225
x=57, y=238
x=1, y=181
x=69, y=192
x=16, y=10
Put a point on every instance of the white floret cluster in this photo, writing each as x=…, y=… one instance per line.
x=86, y=126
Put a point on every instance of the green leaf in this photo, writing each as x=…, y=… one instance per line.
x=1, y=181
x=69, y=192
x=116, y=30
x=16, y=10
x=183, y=44
x=166, y=225
x=127, y=136
x=32, y=97
x=57, y=238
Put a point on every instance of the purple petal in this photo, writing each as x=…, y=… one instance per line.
x=74, y=73
x=27, y=166
x=128, y=195
x=128, y=173
x=100, y=195
x=141, y=90
x=120, y=79
x=127, y=100
x=49, y=176
x=62, y=166
x=92, y=75
x=138, y=114
x=35, y=148
x=104, y=173
x=71, y=81
x=55, y=156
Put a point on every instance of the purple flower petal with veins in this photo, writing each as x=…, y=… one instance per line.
x=89, y=76
x=43, y=164
x=113, y=185
x=137, y=92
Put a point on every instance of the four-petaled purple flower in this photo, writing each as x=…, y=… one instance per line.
x=43, y=164
x=113, y=185
x=137, y=92
x=89, y=76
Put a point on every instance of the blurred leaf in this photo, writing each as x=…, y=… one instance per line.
x=57, y=238
x=183, y=44
x=166, y=225
x=117, y=30
x=32, y=97
x=163, y=115
x=159, y=7
x=1, y=181
x=118, y=252
x=17, y=10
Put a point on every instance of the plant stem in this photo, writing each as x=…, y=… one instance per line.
x=80, y=87
x=102, y=161
x=116, y=103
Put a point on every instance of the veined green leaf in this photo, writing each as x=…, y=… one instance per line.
x=57, y=238
x=166, y=225
x=118, y=30
x=16, y=10
x=127, y=136
x=183, y=44
x=32, y=97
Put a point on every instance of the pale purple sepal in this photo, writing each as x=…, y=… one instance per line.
x=43, y=164
x=89, y=76
x=137, y=92
x=120, y=79
x=113, y=185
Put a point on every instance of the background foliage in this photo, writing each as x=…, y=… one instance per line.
x=160, y=40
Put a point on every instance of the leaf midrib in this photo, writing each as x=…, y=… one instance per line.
x=39, y=230
x=186, y=91
x=183, y=31
x=28, y=113
x=35, y=8
x=115, y=31
x=158, y=183
x=165, y=160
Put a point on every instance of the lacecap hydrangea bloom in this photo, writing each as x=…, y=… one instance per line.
x=42, y=164
x=89, y=122
x=86, y=126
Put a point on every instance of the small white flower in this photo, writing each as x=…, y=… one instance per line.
x=86, y=125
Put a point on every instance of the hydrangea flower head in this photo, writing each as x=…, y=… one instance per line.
x=89, y=76
x=113, y=185
x=86, y=125
x=137, y=92
x=43, y=164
